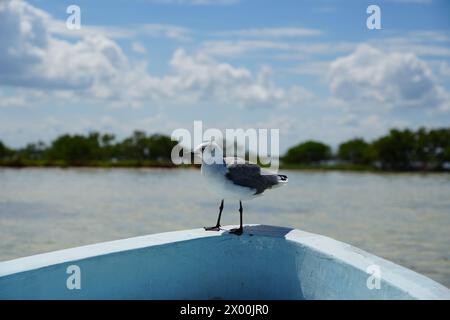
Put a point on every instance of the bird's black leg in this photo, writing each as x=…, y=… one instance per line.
x=217, y=226
x=238, y=231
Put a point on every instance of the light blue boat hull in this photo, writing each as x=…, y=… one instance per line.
x=265, y=263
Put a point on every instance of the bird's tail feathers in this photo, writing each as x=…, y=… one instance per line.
x=282, y=179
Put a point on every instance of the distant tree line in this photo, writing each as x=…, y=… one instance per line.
x=94, y=147
x=398, y=150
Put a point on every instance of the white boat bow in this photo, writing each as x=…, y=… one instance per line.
x=266, y=262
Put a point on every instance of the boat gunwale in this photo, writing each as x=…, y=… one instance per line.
x=412, y=283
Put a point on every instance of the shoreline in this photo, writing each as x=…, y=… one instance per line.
x=170, y=166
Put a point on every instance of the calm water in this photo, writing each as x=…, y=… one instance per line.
x=404, y=218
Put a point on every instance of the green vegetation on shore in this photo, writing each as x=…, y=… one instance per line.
x=94, y=149
x=399, y=150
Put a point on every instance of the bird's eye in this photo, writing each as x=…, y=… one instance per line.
x=203, y=148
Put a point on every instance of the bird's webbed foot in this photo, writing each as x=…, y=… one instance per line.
x=237, y=231
x=215, y=228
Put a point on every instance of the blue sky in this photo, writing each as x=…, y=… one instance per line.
x=309, y=68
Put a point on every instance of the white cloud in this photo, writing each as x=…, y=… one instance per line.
x=199, y=78
x=32, y=57
x=290, y=50
x=12, y=101
x=431, y=44
x=370, y=76
x=57, y=27
x=154, y=30
x=96, y=68
x=138, y=47
x=314, y=68
x=281, y=32
x=165, y=30
x=444, y=69
x=227, y=48
x=25, y=98
x=429, y=35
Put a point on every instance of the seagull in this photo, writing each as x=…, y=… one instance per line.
x=234, y=179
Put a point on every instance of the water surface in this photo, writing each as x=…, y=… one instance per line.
x=402, y=217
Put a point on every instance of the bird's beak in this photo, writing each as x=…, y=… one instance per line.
x=198, y=150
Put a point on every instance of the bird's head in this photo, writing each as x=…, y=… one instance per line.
x=206, y=146
x=201, y=148
x=210, y=152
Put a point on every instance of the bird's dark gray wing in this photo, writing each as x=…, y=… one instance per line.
x=249, y=175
